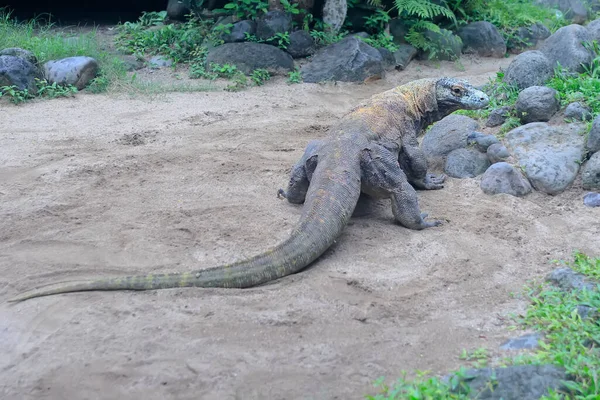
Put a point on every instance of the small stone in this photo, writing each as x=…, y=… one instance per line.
x=592, y=199
x=504, y=178
x=593, y=139
x=590, y=173
x=301, y=44
x=578, y=111
x=481, y=140
x=272, y=23
x=466, y=163
x=497, y=152
x=159, y=62
x=498, y=116
x=567, y=279
x=404, y=55
x=529, y=341
x=537, y=104
x=76, y=71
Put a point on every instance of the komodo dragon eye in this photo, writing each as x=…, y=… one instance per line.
x=457, y=90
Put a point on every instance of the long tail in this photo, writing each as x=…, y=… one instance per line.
x=329, y=205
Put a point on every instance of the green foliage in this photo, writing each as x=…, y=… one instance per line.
x=294, y=77
x=326, y=37
x=384, y=40
x=423, y=387
x=44, y=90
x=290, y=8
x=478, y=357
x=281, y=39
x=153, y=18
x=243, y=9
x=377, y=21
x=422, y=9
x=174, y=41
x=239, y=82
x=260, y=76
x=225, y=70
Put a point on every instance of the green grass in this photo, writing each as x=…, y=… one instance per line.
x=569, y=342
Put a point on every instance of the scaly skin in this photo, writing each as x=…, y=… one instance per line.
x=373, y=150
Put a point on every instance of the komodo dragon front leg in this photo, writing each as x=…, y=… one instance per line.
x=382, y=177
x=414, y=164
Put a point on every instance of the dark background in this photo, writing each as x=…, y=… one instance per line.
x=83, y=12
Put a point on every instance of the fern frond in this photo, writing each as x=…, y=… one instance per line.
x=423, y=9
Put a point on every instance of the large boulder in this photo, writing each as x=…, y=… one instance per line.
x=482, y=38
x=593, y=137
x=18, y=52
x=537, y=104
x=466, y=163
x=529, y=36
x=349, y=60
x=301, y=44
x=176, y=9
x=590, y=173
x=76, y=71
x=249, y=56
x=594, y=29
x=530, y=68
x=497, y=152
x=239, y=30
x=517, y=382
x=272, y=23
x=566, y=47
x=549, y=155
x=17, y=71
x=449, y=134
x=504, y=178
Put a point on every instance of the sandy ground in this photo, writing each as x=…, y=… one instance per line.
x=104, y=185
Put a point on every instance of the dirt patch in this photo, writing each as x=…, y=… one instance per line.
x=110, y=185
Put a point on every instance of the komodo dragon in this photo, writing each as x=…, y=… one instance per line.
x=373, y=149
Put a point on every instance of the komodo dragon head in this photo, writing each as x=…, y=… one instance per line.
x=455, y=94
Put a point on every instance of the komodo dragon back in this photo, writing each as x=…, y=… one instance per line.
x=328, y=181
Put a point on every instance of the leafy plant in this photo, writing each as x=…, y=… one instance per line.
x=381, y=40
x=243, y=9
x=260, y=76
x=225, y=70
x=153, y=18
x=294, y=76
x=15, y=95
x=54, y=90
x=239, y=82
x=377, y=21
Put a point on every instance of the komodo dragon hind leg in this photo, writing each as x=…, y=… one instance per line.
x=382, y=176
x=301, y=174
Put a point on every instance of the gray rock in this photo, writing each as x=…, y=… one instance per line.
x=565, y=47
x=481, y=140
x=594, y=29
x=585, y=311
x=239, y=30
x=528, y=341
x=498, y=116
x=177, y=10
x=18, y=52
x=76, y=71
x=537, y=104
x=349, y=60
x=591, y=199
x=249, y=56
x=131, y=62
x=301, y=44
x=567, y=279
x=159, y=62
x=272, y=23
x=593, y=137
x=530, y=36
x=466, y=163
x=578, y=111
x=518, y=382
x=590, y=173
x=389, y=62
x=19, y=72
x=446, y=40
x=449, y=134
x=334, y=13
x=549, y=155
x=504, y=178
x=404, y=55
x=575, y=10
x=497, y=153
x=530, y=68
x=483, y=39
